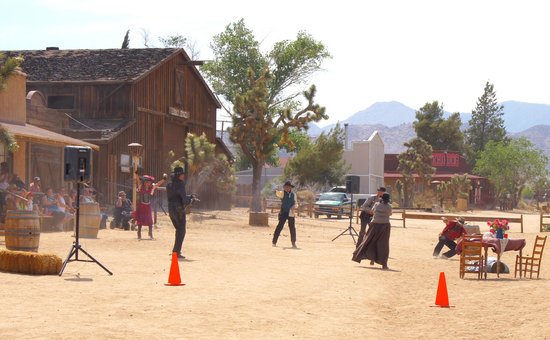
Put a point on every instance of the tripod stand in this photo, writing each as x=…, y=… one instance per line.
x=76, y=245
x=350, y=228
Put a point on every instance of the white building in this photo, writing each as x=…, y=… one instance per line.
x=366, y=159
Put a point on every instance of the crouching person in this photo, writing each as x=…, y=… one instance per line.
x=453, y=230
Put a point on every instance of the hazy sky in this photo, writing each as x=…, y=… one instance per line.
x=411, y=51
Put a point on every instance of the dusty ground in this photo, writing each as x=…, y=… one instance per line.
x=239, y=286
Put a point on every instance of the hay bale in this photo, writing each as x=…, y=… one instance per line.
x=29, y=263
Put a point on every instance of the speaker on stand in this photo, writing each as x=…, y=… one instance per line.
x=352, y=187
x=78, y=168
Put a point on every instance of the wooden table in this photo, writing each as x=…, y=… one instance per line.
x=497, y=246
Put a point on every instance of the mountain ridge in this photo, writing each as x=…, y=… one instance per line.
x=394, y=113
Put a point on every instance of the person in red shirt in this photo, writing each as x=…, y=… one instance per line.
x=453, y=230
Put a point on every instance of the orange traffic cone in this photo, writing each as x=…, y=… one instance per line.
x=174, y=279
x=442, y=298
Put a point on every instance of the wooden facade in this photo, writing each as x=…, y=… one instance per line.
x=154, y=97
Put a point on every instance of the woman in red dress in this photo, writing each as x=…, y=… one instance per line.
x=145, y=192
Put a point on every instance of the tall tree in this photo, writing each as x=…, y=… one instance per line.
x=263, y=90
x=256, y=129
x=8, y=65
x=312, y=166
x=486, y=124
x=126, y=41
x=416, y=160
x=510, y=166
x=440, y=133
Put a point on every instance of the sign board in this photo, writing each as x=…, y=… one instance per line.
x=178, y=113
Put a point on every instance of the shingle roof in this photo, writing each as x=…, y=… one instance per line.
x=90, y=65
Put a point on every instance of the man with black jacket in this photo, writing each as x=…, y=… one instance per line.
x=177, y=200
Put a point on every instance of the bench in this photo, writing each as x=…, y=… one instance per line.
x=407, y=215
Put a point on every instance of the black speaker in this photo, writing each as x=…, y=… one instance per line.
x=78, y=163
x=352, y=184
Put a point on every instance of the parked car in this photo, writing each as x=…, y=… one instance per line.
x=333, y=204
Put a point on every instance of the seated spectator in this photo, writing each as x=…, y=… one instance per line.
x=87, y=197
x=63, y=205
x=122, y=213
x=50, y=207
x=71, y=201
x=35, y=185
x=18, y=182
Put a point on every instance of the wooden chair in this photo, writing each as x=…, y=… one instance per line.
x=531, y=264
x=471, y=258
x=472, y=229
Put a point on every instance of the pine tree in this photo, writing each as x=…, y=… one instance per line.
x=126, y=41
x=486, y=124
x=440, y=133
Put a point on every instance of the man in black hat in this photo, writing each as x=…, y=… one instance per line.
x=177, y=200
x=286, y=213
x=367, y=212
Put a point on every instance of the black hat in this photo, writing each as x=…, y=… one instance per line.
x=289, y=184
x=461, y=220
x=178, y=171
x=386, y=197
x=382, y=189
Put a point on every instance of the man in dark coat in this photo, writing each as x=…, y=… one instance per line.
x=177, y=200
x=288, y=201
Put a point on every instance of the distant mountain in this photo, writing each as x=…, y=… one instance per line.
x=518, y=116
x=539, y=135
x=393, y=137
x=389, y=114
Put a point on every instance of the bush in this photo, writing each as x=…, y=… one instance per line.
x=425, y=199
x=305, y=196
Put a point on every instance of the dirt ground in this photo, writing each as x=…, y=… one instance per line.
x=239, y=286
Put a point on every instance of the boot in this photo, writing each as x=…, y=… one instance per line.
x=139, y=232
x=151, y=232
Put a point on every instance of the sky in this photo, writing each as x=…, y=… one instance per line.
x=411, y=51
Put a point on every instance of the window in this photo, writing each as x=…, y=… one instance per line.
x=126, y=163
x=61, y=102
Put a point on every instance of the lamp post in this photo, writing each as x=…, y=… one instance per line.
x=135, y=152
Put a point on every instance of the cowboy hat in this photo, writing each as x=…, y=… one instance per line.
x=178, y=171
x=289, y=184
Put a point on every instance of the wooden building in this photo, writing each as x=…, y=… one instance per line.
x=40, y=152
x=447, y=165
x=115, y=97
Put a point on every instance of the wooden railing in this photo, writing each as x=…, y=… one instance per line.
x=407, y=215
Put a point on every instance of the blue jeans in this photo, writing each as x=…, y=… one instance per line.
x=283, y=217
x=444, y=241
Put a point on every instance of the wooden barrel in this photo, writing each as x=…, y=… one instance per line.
x=89, y=220
x=22, y=231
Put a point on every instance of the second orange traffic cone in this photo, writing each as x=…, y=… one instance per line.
x=442, y=298
x=174, y=279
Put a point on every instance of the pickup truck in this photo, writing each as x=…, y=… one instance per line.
x=333, y=204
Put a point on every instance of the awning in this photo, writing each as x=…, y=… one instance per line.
x=39, y=135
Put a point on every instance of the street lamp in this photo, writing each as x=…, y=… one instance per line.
x=135, y=151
